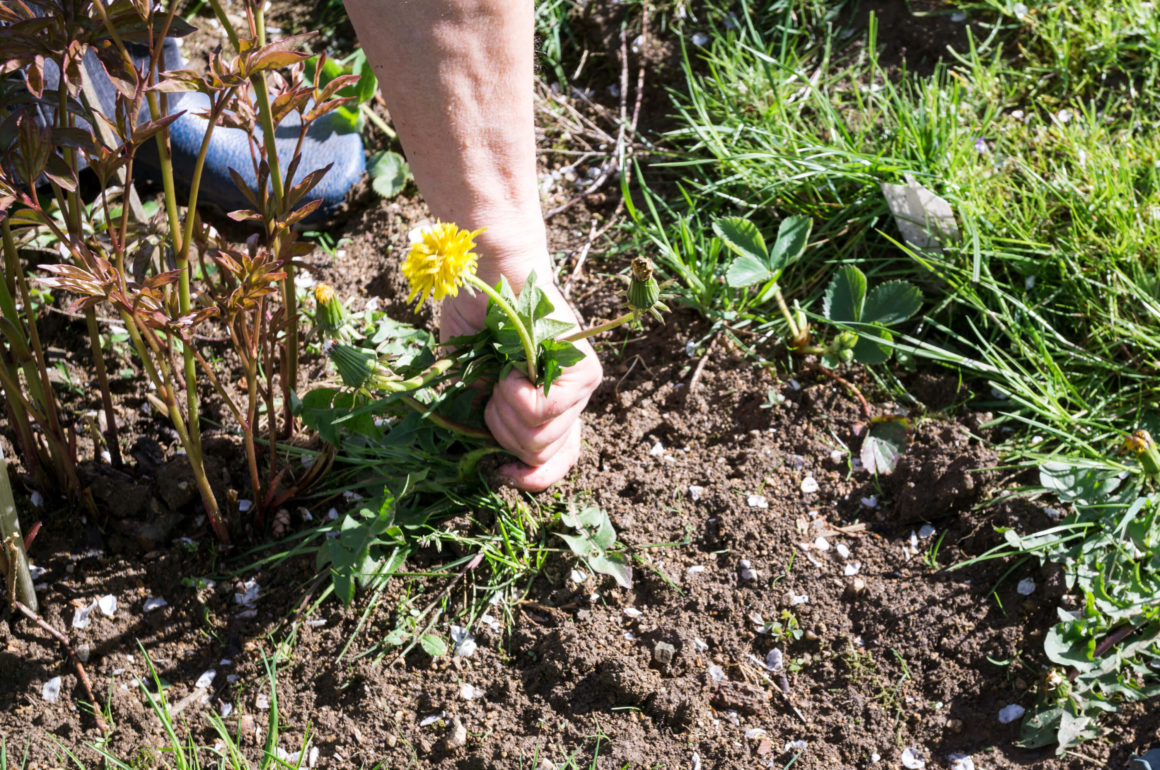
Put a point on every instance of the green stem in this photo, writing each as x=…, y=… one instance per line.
x=419, y=380
x=380, y=124
x=795, y=333
x=13, y=543
x=525, y=334
x=576, y=337
x=443, y=422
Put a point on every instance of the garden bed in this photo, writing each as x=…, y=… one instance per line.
x=752, y=529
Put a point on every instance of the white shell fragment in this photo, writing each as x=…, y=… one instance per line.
x=1026, y=587
x=912, y=759
x=797, y=599
x=468, y=692
x=108, y=605
x=427, y=721
x=632, y=612
x=925, y=220
x=81, y=616
x=696, y=569
x=51, y=690
x=248, y=596
x=960, y=762
x=795, y=746
x=154, y=603
x=205, y=680
x=822, y=544
x=843, y=550
x=695, y=492
x=809, y=485
x=1009, y=714
x=852, y=569
x=775, y=661
x=926, y=531
x=757, y=501
x=465, y=645
x=579, y=576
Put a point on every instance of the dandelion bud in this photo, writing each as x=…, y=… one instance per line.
x=846, y=341
x=1143, y=446
x=357, y=366
x=643, y=290
x=329, y=315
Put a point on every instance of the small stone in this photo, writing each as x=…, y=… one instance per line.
x=809, y=485
x=757, y=501
x=1009, y=714
x=456, y=735
x=632, y=612
x=153, y=603
x=852, y=569
x=51, y=690
x=775, y=661
x=842, y=550
x=912, y=759
x=663, y=653
x=696, y=492
x=955, y=725
x=205, y=680
x=83, y=653
x=822, y=544
x=926, y=531
x=797, y=599
x=1026, y=587
x=468, y=692
x=960, y=762
x=81, y=616
x=108, y=605
x=657, y=450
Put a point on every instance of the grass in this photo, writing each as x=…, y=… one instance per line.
x=1037, y=135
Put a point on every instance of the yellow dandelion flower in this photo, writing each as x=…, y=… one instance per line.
x=440, y=261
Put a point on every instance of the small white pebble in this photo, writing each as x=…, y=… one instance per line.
x=795, y=746
x=757, y=501
x=695, y=492
x=1026, y=587
x=468, y=692
x=427, y=721
x=837, y=455
x=1009, y=714
x=926, y=531
x=205, y=680
x=851, y=569
x=869, y=502
x=579, y=576
x=632, y=612
x=960, y=762
x=81, y=616
x=797, y=599
x=630, y=636
x=843, y=550
x=822, y=544
x=716, y=673
x=696, y=569
x=51, y=690
x=774, y=661
x=154, y=603
x=912, y=759
x=699, y=644
x=754, y=733
x=700, y=38
x=226, y=710
x=657, y=450
x=809, y=485
x=108, y=605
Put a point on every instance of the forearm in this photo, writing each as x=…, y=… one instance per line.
x=457, y=76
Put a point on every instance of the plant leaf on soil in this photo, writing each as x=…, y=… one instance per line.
x=884, y=444
x=388, y=172
x=845, y=296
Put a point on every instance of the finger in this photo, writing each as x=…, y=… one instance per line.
x=573, y=387
x=540, y=477
x=530, y=442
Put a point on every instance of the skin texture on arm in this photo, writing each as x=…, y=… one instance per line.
x=457, y=76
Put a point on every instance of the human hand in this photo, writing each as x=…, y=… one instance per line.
x=543, y=431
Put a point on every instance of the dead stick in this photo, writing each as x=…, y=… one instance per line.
x=88, y=688
x=696, y=378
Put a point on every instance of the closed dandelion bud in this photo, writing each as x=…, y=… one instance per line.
x=357, y=366
x=846, y=341
x=1143, y=446
x=329, y=314
x=643, y=290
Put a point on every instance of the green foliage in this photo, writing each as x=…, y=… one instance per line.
x=885, y=441
x=847, y=305
x=594, y=541
x=359, y=92
x=499, y=343
x=754, y=263
x=388, y=172
x=367, y=547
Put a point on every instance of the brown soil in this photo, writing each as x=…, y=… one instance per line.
x=899, y=655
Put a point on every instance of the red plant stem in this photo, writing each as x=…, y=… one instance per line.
x=32, y=531
x=852, y=388
x=72, y=656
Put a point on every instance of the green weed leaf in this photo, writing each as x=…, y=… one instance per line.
x=845, y=296
x=743, y=237
x=891, y=302
x=389, y=173
x=595, y=542
x=746, y=271
x=868, y=349
x=791, y=242
x=884, y=444
x=433, y=645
